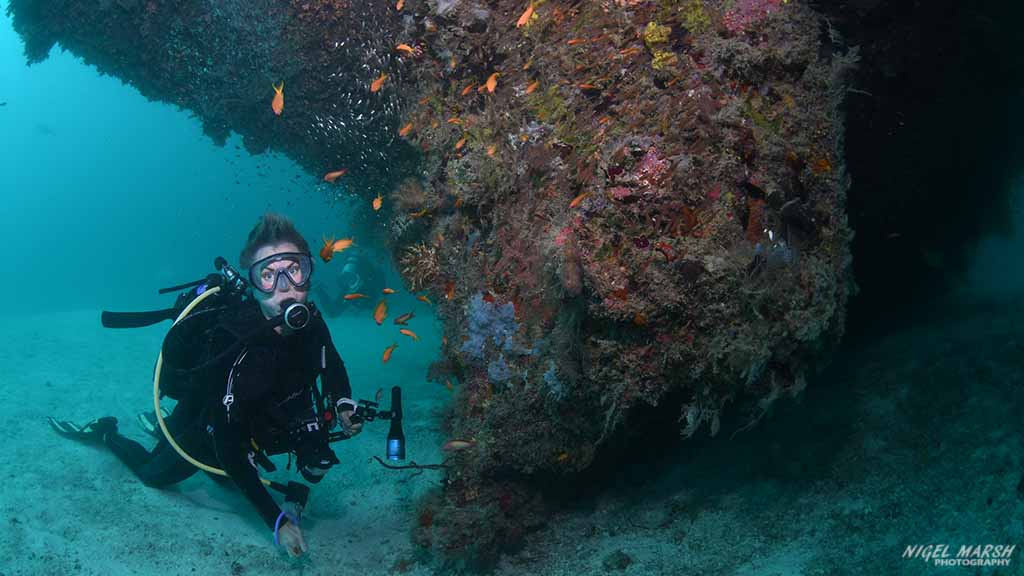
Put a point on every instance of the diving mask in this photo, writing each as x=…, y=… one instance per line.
x=265, y=274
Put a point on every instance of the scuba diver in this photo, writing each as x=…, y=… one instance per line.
x=244, y=375
x=358, y=275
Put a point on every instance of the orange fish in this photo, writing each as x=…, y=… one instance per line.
x=401, y=320
x=468, y=88
x=532, y=87
x=525, y=18
x=355, y=296
x=332, y=176
x=278, y=103
x=576, y=201
x=380, y=312
x=460, y=143
x=423, y=298
x=490, y=152
x=326, y=253
x=576, y=41
x=456, y=445
x=492, y=82
x=400, y=4
x=448, y=385
x=377, y=202
x=410, y=334
x=389, y=290
x=342, y=245
x=458, y=202
x=408, y=49
x=405, y=130
x=449, y=290
x=444, y=340
x=454, y=120
x=376, y=84
x=527, y=65
x=387, y=353
x=419, y=214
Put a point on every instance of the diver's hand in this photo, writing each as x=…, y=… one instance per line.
x=346, y=423
x=290, y=536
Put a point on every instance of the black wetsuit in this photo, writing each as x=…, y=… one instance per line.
x=271, y=382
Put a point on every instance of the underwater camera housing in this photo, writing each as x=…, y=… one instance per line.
x=367, y=411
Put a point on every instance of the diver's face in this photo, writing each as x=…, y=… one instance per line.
x=270, y=304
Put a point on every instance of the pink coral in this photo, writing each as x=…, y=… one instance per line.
x=652, y=168
x=563, y=236
x=748, y=12
x=620, y=192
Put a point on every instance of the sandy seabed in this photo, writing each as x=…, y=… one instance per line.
x=914, y=440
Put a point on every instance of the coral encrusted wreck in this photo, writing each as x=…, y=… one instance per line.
x=611, y=203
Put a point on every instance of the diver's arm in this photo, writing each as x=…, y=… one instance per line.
x=231, y=432
x=231, y=442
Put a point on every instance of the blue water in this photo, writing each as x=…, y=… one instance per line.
x=109, y=196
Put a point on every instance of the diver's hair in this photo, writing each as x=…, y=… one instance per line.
x=271, y=229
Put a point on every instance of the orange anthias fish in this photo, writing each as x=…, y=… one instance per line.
x=407, y=49
x=492, y=82
x=401, y=320
x=405, y=130
x=399, y=5
x=376, y=84
x=410, y=334
x=532, y=87
x=377, y=202
x=457, y=444
x=490, y=152
x=460, y=143
x=326, y=253
x=380, y=312
x=331, y=246
x=525, y=18
x=342, y=245
x=389, y=290
x=449, y=290
x=423, y=298
x=448, y=385
x=468, y=88
x=278, y=103
x=332, y=176
x=355, y=296
x=576, y=201
x=387, y=353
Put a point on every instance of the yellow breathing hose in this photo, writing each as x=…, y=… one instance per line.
x=156, y=393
